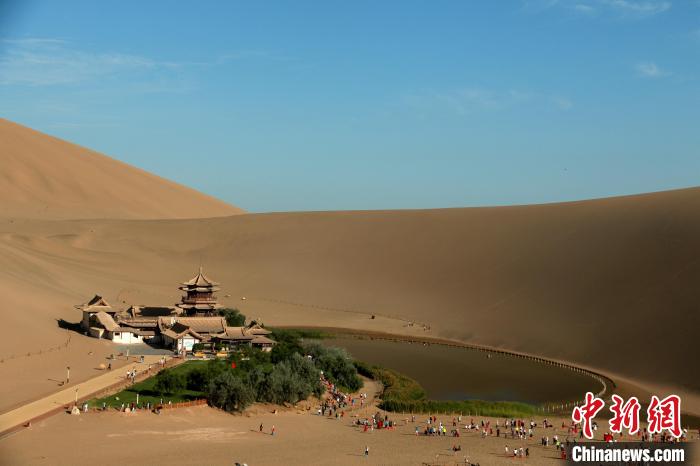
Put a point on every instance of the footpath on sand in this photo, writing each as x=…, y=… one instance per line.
x=51, y=404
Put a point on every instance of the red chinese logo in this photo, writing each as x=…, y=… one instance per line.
x=585, y=414
x=665, y=414
x=625, y=414
x=661, y=415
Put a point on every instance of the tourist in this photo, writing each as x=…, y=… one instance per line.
x=261, y=427
x=273, y=431
x=367, y=451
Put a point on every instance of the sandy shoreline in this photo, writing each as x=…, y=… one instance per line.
x=203, y=435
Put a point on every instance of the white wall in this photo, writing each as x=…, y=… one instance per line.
x=187, y=342
x=126, y=338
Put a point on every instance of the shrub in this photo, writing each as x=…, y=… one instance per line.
x=288, y=343
x=403, y=394
x=234, y=318
x=168, y=381
x=291, y=381
x=197, y=379
x=257, y=380
x=474, y=407
x=229, y=392
x=336, y=365
x=197, y=347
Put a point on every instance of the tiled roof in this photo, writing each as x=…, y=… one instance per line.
x=204, y=324
x=261, y=340
x=200, y=280
x=106, y=321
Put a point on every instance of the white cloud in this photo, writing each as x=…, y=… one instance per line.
x=42, y=62
x=638, y=8
x=620, y=8
x=562, y=103
x=585, y=9
x=649, y=69
x=466, y=100
x=48, y=62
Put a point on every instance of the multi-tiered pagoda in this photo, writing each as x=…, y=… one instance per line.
x=200, y=299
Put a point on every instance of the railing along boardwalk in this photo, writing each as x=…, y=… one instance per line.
x=9, y=429
x=608, y=385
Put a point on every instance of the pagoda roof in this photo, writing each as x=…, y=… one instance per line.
x=202, y=289
x=98, y=300
x=203, y=306
x=97, y=303
x=201, y=280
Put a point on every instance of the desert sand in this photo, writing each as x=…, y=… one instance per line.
x=203, y=435
x=609, y=284
x=46, y=177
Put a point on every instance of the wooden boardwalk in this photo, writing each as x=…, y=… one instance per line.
x=16, y=419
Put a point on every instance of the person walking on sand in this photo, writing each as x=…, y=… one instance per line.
x=273, y=431
x=506, y=450
x=261, y=427
x=366, y=451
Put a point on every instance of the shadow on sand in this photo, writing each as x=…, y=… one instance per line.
x=73, y=326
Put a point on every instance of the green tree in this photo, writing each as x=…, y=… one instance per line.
x=234, y=318
x=288, y=343
x=168, y=381
x=230, y=393
x=336, y=365
x=258, y=381
x=197, y=379
x=292, y=380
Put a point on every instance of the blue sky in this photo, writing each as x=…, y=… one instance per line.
x=369, y=105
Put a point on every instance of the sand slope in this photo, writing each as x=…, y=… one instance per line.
x=610, y=283
x=45, y=177
x=613, y=283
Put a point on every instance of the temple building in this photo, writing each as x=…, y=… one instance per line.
x=199, y=299
x=91, y=309
x=194, y=320
x=252, y=335
x=100, y=321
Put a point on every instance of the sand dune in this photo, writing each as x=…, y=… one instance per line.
x=45, y=177
x=612, y=284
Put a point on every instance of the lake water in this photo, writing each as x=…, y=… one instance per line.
x=449, y=373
